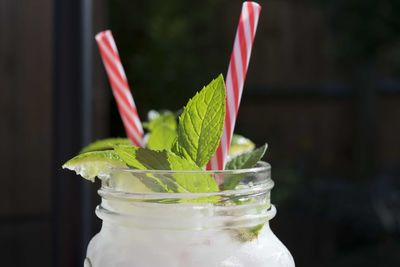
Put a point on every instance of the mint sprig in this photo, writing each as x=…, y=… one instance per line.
x=146, y=159
x=195, y=142
x=187, y=145
x=184, y=145
x=242, y=161
x=201, y=124
x=248, y=234
x=247, y=159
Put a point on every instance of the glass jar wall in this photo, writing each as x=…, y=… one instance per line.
x=219, y=229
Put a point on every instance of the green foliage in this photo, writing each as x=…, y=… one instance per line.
x=242, y=161
x=146, y=159
x=247, y=159
x=201, y=124
x=248, y=234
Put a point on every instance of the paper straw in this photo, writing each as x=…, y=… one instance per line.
x=235, y=78
x=120, y=88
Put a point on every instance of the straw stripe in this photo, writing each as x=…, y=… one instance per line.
x=235, y=78
x=125, y=110
x=115, y=50
x=116, y=67
x=120, y=87
x=124, y=105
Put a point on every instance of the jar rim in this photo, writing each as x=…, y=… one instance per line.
x=251, y=188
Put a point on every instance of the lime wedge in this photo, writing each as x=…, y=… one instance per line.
x=92, y=164
x=239, y=145
x=99, y=164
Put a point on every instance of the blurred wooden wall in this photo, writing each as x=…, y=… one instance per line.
x=26, y=91
x=25, y=132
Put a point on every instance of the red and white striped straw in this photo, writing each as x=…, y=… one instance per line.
x=235, y=78
x=120, y=87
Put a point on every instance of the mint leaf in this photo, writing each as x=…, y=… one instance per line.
x=243, y=161
x=248, y=234
x=161, y=138
x=195, y=182
x=143, y=158
x=246, y=160
x=201, y=124
x=105, y=144
x=163, y=132
x=146, y=159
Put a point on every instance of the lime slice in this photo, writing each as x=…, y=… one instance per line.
x=100, y=163
x=92, y=164
x=105, y=144
x=239, y=145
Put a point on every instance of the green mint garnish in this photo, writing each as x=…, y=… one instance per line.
x=248, y=234
x=201, y=124
x=162, y=131
x=143, y=158
x=146, y=159
x=196, y=182
x=247, y=159
x=243, y=161
x=186, y=144
x=105, y=144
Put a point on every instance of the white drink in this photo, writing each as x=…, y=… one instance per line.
x=115, y=246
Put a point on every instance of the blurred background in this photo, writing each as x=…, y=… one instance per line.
x=323, y=89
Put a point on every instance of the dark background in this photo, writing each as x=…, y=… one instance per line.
x=322, y=89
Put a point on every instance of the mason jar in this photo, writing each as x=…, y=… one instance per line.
x=156, y=229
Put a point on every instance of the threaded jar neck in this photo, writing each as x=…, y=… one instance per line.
x=248, y=205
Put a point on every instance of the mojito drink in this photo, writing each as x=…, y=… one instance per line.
x=162, y=206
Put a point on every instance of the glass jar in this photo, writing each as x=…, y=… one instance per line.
x=220, y=229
